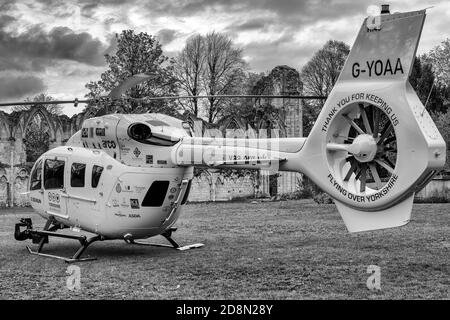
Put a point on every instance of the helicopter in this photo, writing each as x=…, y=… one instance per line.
x=128, y=176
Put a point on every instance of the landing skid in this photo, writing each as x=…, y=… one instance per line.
x=41, y=237
x=168, y=236
x=68, y=260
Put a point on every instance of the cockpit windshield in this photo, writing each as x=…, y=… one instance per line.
x=36, y=176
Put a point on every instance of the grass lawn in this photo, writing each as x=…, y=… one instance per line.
x=268, y=250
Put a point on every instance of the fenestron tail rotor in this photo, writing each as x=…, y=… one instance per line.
x=362, y=147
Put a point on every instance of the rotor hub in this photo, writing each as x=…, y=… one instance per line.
x=365, y=146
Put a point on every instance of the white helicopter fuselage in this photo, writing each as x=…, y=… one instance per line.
x=120, y=202
x=372, y=147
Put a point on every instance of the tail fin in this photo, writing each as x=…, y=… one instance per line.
x=385, y=48
x=374, y=144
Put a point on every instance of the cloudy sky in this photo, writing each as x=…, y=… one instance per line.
x=57, y=46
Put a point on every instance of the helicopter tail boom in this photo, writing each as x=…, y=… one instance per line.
x=268, y=154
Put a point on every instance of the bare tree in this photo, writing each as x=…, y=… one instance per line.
x=189, y=66
x=223, y=69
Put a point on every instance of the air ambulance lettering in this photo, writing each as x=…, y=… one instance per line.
x=377, y=68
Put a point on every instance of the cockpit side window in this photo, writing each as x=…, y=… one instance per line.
x=96, y=174
x=54, y=174
x=36, y=177
x=77, y=174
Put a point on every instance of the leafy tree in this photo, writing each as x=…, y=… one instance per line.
x=439, y=58
x=431, y=92
x=442, y=121
x=136, y=53
x=319, y=76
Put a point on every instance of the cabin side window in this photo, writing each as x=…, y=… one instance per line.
x=36, y=177
x=156, y=194
x=54, y=174
x=96, y=174
x=77, y=174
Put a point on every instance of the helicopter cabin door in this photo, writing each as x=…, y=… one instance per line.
x=81, y=191
x=55, y=177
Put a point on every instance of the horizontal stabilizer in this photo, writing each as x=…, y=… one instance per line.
x=357, y=220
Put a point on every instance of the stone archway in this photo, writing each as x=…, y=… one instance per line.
x=4, y=196
x=38, y=134
x=5, y=133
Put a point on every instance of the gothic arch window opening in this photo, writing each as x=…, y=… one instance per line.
x=37, y=137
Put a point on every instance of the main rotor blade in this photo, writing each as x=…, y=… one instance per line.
x=37, y=103
x=365, y=119
x=129, y=83
x=353, y=124
x=375, y=175
x=144, y=99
